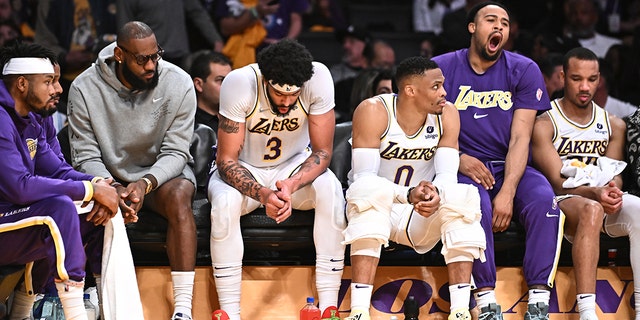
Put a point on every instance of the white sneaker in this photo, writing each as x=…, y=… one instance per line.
x=93, y=297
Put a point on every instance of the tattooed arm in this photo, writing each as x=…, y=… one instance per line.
x=230, y=143
x=321, y=128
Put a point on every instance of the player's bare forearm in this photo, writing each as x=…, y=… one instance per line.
x=310, y=169
x=240, y=178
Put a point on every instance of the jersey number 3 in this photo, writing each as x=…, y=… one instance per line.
x=274, y=146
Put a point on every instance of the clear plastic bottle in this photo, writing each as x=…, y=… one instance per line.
x=89, y=307
x=59, y=312
x=310, y=311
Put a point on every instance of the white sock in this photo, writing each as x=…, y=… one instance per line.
x=99, y=293
x=459, y=294
x=228, y=280
x=328, y=279
x=22, y=304
x=587, y=305
x=71, y=296
x=182, y=291
x=539, y=295
x=483, y=298
x=361, y=296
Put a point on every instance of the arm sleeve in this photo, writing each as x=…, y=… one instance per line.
x=446, y=161
x=19, y=184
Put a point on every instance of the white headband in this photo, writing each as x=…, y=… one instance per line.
x=27, y=66
x=286, y=88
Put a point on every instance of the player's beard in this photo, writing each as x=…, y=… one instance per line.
x=33, y=101
x=136, y=82
x=488, y=57
x=274, y=107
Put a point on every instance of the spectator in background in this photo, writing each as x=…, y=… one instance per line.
x=131, y=87
x=581, y=19
x=428, y=14
x=370, y=82
x=455, y=34
x=250, y=27
x=551, y=68
x=207, y=71
x=356, y=44
x=382, y=56
x=601, y=97
x=168, y=19
x=74, y=30
x=9, y=32
x=324, y=16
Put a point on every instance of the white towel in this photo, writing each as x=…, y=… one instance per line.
x=578, y=173
x=119, y=275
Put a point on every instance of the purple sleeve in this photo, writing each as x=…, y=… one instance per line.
x=531, y=92
x=18, y=182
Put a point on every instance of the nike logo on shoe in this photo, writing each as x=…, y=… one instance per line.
x=479, y=116
x=551, y=215
x=157, y=99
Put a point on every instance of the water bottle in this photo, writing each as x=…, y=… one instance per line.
x=89, y=307
x=58, y=311
x=411, y=310
x=310, y=311
x=612, y=254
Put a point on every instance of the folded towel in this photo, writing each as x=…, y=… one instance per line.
x=579, y=173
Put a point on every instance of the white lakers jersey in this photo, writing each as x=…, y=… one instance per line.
x=270, y=138
x=406, y=160
x=586, y=142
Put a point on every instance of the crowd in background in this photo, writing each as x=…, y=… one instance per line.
x=77, y=30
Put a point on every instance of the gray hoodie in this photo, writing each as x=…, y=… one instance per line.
x=124, y=134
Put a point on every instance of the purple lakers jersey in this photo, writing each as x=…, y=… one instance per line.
x=487, y=101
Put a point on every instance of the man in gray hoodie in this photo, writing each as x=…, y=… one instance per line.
x=131, y=118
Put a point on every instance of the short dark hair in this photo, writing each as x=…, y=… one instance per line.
x=550, y=62
x=413, y=66
x=133, y=30
x=286, y=62
x=471, y=16
x=579, y=53
x=200, y=65
x=25, y=50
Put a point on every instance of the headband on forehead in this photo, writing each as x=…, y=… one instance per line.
x=286, y=88
x=27, y=66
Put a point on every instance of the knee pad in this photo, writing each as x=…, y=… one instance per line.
x=225, y=213
x=369, y=203
x=463, y=238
